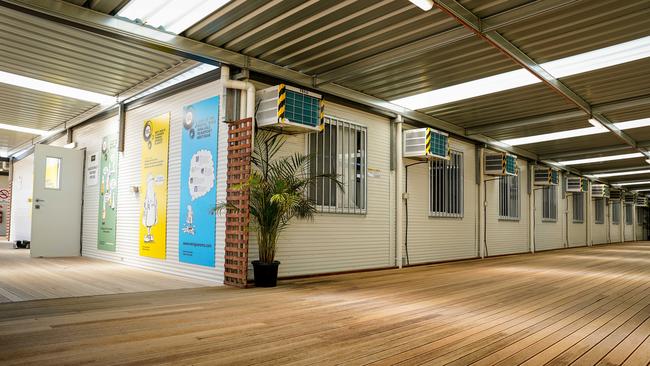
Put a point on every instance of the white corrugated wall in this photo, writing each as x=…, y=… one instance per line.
x=21, y=194
x=616, y=230
x=342, y=242
x=434, y=239
x=638, y=222
x=577, y=230
x=599, y=232
x=128, y=206
x=628, y=234
x=508, y=236
x=549, y=234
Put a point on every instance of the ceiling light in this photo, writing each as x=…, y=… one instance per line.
x=425, y=5
x=632, y=183
x=601, y=159
x=618, y=174
x=598, y=128
x=47, y=87
x=173, y=15
x=589, y=61
x=31, y=131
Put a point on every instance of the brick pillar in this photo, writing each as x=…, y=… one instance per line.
x=240, y=135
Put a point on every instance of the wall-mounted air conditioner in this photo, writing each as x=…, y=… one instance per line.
x=577, y=184
x=546, y=176
x=615, y=194
x=289, y=110
x=629, y=198
x=600, y=191
x=425, y=143
x=500, y=164
x=641, y=201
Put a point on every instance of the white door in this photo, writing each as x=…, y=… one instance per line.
x=56, y=205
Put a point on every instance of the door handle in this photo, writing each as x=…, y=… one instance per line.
x=39, y=200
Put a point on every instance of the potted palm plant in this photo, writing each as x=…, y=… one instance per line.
x=277, y=189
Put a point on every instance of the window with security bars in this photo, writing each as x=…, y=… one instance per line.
x=616, y=212
x=599, y=210
x=509, y=205
x=446, y=186
x=549, y=203
x=629, y=213
x=578, y=207
x=339, y=149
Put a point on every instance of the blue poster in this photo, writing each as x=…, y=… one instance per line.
x=198, y=182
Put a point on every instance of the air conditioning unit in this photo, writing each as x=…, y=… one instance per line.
x=600, y=191
x=289, y=110
x=425, y=143
x=577, y=184
x=615, y=194
x=500, y=164
x=629, y=198
x=641, y=201
x=546, y=176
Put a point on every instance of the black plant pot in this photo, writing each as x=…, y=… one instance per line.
x=266, y=274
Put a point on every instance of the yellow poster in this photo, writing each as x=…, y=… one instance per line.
x=153, y=187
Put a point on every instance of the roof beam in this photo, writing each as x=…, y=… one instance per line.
x=116, y=28
x=552, y=117
x=436, y=41
x=471, y=21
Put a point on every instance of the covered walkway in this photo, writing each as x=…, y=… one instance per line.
x=585, y=305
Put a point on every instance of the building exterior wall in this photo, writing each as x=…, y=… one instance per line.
x=549, y=234
x=506, y=236
x=21, y=199
x=128, y=204
x=600, y=233
x=577, y=230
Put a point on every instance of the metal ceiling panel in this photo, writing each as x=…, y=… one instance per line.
x=103, y=6
x=34, y=109
x=483, y=8
x=579, y=143
x=580, y=27
x=36, y=48
x=12, y=138
x=463, y=61
x=614, y=164
x=628, y=80
x=532, y=100
x=629, y=114
x=538, y=129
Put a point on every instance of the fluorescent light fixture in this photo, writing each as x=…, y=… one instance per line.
x=619, y=174
x=632, y=183
x=589, y=61
x=425, y=5
x=173, y=15
x=47, y=87
x=598, y=128
x=31, y=131
x=191, y=73
x=601, y=159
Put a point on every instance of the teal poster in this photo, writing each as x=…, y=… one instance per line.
x=108, y=158
x=198, y=182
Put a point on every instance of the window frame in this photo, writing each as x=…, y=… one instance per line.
x=578, y=208
x=460, y=189
x=547, y=206
x=342, y=124
x=508, y=203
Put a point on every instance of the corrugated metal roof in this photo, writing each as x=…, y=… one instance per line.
x=12, y=138
x=522, y=102
x=614, y=164
x=103, y=6
x=572, y=144
x=538, y=129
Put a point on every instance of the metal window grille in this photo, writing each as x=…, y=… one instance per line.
x=578, y=207
x=599, y=210
x=549, y=203
x=509, y=203
x=629, y=220
x=616, y=212
x=339, y=149
x=446, y=186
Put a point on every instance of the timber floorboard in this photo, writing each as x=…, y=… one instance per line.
x=578, y=306
x=23, y=278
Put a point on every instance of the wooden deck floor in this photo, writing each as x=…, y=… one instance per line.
x=583, y=306
x=23, y=278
